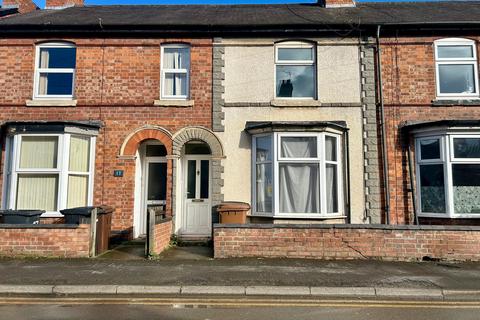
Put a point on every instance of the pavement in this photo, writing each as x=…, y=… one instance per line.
x=190, y=272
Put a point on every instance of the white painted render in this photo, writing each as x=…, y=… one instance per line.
x=237, y=147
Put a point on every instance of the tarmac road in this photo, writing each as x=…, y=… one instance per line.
x=226, y=309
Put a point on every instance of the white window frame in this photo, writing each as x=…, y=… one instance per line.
x=459, y=61
x=164, y=71
x=313, y=62
x=254, y=173
x=12, y=167
x=277, y=160
x=38, y=71
x=447, y=160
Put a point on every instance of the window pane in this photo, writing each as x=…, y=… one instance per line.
x=299, y=188
x=77, y=191
x=157, y=181
x=197, y=148
x=455, y=51
x=176, y=58
x=330, y=148
x=432, y=188
x=264, y=185
x=79, y=154
x=466, y=147
x=456, y=78
x=295, y=54
x=55, y=84
x=299, y=147
x=58, y=58
x=264, y=148
x=37, y=192
x=191, y=179
x=38, y=152
x=466, y=188
x=204, y=179
x=175, y=84
x=156, y=150
x=332, y=188
x=295, y=81
x=430, y=149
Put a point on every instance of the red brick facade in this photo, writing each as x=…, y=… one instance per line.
x=117, y=81
x=408, y=67
x=161, y=236
x=348, y=242
x=46, y=241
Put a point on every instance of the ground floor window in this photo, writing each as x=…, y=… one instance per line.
x=448, y=174
x=49, y=172
x=297, y=174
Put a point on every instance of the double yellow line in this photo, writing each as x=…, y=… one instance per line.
x=238, y=302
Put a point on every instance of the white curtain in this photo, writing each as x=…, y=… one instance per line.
x=299, y=188
x=77, y=191
x=175, y=83
x=79, y=154
x=299, y=147
x=330, y=148
x=37, y=192
x=331, y=181
x=39, y=152
x=43, y=79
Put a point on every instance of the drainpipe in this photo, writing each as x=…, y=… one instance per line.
x=382, y=124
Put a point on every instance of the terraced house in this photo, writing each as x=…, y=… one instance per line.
x=175, y=109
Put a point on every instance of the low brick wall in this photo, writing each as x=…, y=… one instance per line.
x=162, y=232
x=68, y=241
x=346, y=242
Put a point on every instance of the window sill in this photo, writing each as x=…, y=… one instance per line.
x=456, y=102
x=295, y=103
x=51, y=103
x=444, y=216
x=174, y=103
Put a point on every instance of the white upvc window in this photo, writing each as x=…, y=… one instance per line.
x=295, y=70
x=175, y=72
x=456, y=69
x=297, y=175
x=448, y=175
x=54, y=71
x=49, y=172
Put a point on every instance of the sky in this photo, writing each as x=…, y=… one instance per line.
x=41, y=3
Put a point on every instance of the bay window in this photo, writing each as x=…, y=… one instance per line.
x=49, y=172
x=297, y=175
x=456, y=68
x=448, y=175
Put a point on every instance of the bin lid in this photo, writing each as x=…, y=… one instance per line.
x=233, y=206
x=23, y=213
x=80, y=211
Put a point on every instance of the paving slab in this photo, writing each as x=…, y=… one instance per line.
x=26, y=289
x=409, y=293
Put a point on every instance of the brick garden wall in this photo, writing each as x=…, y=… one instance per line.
x=408, y=68
x=45, y=241
x=117, y=81
x=161, y=236
x=347, y=242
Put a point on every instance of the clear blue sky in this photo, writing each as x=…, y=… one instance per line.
x=41, y=3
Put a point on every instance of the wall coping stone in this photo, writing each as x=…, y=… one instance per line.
x=348, y=226
x=42, y=226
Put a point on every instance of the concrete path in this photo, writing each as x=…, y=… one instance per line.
x=242, y=277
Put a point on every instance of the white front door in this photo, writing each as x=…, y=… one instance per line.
x=197, y=213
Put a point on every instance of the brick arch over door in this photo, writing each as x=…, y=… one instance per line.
x=134, y=139
x=197, y=133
